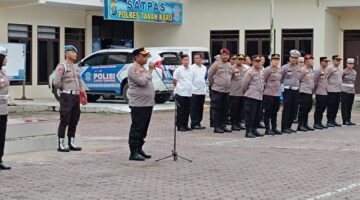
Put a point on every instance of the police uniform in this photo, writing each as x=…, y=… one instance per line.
x=219, y=76
x=68, y=81
x=320, y=90
x=253, y=91
x=271, y=102
x=348, y=93
x=291, y=81
x=237, y=94
x=306, y=92
x=4, y=94
x=141, y=103
x=334, y=92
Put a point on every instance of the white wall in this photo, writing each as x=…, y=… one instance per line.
x=39, y=16
x=332, y=34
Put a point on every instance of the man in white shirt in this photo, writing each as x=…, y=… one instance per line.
x=198, y=92
x=183, y=77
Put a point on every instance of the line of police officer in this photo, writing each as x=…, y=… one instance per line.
x=248, y=91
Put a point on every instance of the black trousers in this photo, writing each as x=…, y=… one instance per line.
x=252, y=113
x=211, y=108
x=305, y=107
x=291, y=98
x=271, y=105
x=320, y=107
x=3, y=125
x=197, y=109
x=333, y=104
x=236, y=109
x=347, y=101
x=220, y=105
x=140, y=120
x=69, y=114
x=183, y=108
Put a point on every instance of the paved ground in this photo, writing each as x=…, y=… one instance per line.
x=316, y=165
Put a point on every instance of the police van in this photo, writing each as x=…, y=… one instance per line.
x=104, y=74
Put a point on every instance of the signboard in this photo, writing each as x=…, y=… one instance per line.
x=144, y=11
x=15, y=67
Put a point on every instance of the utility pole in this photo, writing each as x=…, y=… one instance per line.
x=272, y=30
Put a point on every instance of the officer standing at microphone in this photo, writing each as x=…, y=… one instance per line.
x=141, y=103
x=67, y=80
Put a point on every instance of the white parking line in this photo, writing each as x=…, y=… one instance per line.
x=343, y=189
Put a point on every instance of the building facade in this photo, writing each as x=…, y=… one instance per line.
x=319, y=27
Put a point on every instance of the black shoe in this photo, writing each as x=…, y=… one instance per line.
x=72, y=145
x=309, y=128
x=137, y=157
x=261, y=125
x=277, y=132
x=182, y=129
x=324, y=126
x=197, y=127
x=143, y=154
x=330, y=125
x=269, y=132
x=292, y=130
x=227, y=130
x=337, y=124
x=235, y=128
x=352, y=124
x=242, y=127
x=249, y=134
x=218, y=130
x=302, y=128
x=4, y=166
x=347, y=123
x=286, y=131
x=188, y=128
x=318, y=126
x=257, y=134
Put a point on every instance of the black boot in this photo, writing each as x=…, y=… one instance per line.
x=276, y=131
x=134, y=153
x=142, y=152
x=269, y=132
x=62, y=147
x=235, y=127
x=301, y=126
x=72, y=145
x=318, y=126
x=218, y=129
x=256, y=133
x=4, y=166
x=249, y=133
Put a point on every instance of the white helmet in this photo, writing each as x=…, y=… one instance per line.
x=3, y=51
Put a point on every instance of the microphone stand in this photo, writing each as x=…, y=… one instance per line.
x=174, y=153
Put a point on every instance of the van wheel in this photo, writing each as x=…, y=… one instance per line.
x=162, y=98
x=126, y=93
x=56, y=93
x=93, y=97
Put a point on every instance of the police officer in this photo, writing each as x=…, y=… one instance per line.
x=334, y=91
x=291, y=80
x=271, y=102
x=306, y=92
x=67, y=80
x=198, y=91
x=219, y=76
x=253, y=91
x=141, y=103
x=183, y=78
x=4, y=93
x=320, y=90
x=232, y=59
x=348, y=91
x=237, y=93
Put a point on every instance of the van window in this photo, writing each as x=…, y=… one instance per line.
x=206, y=57
x=119, y=58
x=95, y=60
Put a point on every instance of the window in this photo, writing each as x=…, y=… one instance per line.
x=95, y=60
x=257, y=42
x=224, y=39
x=300, y=39
x=22, y=34
x=76, y=37
x=112, y=34
x=123, y=58
x=48, y=52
